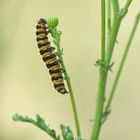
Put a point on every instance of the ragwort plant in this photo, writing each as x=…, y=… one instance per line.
x=110, y=25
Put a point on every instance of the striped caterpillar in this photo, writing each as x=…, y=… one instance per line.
x=49, y=56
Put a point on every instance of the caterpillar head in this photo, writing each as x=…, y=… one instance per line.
x=43, y=20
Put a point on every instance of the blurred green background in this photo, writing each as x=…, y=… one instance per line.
x=25, y=85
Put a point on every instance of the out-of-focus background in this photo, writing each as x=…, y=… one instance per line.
x=25, y=85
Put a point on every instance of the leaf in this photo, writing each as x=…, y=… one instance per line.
x=66, y=132
x=104, y=116
x=18, y=117
x=39, y=122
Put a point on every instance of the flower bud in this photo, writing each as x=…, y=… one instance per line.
x=52, y=22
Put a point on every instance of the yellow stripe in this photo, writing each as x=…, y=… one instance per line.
x=62, y=91
x=55, y=82
x=50, y=61
x=56, y=74
x=42, y=35
x=42, y=41
x=43, y=47
x=46, y=54
x=54, y=67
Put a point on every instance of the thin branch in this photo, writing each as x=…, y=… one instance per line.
x=108, y=16
x=72, y=99
x=117, y=77
x=117, y=19
x=127, y=4
x=103, y=30
x=56, y=39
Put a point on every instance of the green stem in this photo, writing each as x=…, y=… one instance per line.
x=115, y=27
x=112, y=39
x=108, y=16
x=103, y=30
x=102, y=80
x=72, y=99
x=127, y=4
x=117, y=18
x=115, y=5
x=99, y=108
x=122, y=63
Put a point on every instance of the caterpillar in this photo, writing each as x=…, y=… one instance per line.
x=49, y=56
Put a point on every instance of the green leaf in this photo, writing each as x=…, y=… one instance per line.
x=66, y=132
x=39, y=122
x=18, y=117
x=104, y=116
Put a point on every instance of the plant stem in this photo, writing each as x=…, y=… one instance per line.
x=112, y=39
x=103, y=31
x=115, y=5
x=56, y=34
x=122, y=63
x=108, y=16
x=117, y=18
x=114, y=31
x=72, y=99
x=127, y=4
x=99, y=107
x=102, y=80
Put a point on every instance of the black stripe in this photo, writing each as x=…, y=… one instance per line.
x=47, y=57
x=43, y=38
x=55, y=71
x=43, y=51
x=38, y=26
x=58, y=85
x=48, y=49
x=43, y=44
x=57, y=77
x=42, y=32
x=52, y=64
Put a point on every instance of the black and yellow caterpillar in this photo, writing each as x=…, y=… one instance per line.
x=49, y=56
